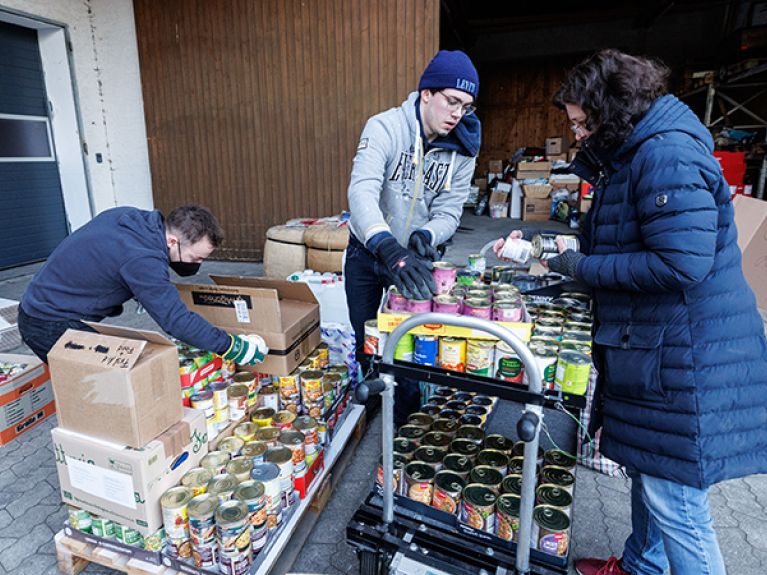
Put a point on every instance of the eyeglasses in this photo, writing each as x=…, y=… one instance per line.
x=455, y=104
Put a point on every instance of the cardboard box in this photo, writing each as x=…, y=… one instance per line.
x=751, y=221
x=119, y=384
x=554, y=146
x=568, y=181
x=304, y=483
x=481, y=183
x=495, y=166
x=126, y=484
x=556, y=157
x=26, y=399
x=536, y=190
x=536, y=209
x=584, y=205
x=286, y=314
x=533, y=170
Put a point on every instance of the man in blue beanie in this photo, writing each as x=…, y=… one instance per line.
x=410, y=179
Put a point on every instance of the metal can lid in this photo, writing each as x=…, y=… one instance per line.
x=508, y=504
x=498, y=442
x=483, y=400
x=238, y=390
x=204, y=395
x=445, y=425
x=470, y=428
x=574, y=357
x=222, y=483
x=176, y=497
x=557, y=476
x=265, y=472
x=304, y=422
x=215, y=458
x=196, y=477
x=231, y=512
x=457, y=462
x=263, y=413
x=559, y=458
x=418, y=471
x=284, y=416
x=444, y=265
x=486, y=475
x=244, y=429
x=249, y=490
x=493, y=458
x=464, y=446
x=550, y=518
x=291, y=437
x=311, y=374
x=436, y=439
x=478, y=494
x=231, y=444
x=429, y=454
x=411, y=431
x=420, y=419
x=512, y=484
x=553, y=495
x=203, y=505
x=268, y=433
x=278, y=455
x=254, y=448
x=239, y=465
x=404, y=445
x=449, y=414
x=449, y=481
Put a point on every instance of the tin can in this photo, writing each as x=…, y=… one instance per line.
x=445, y=426
x=311, y=386
x=465, y=447
x=478, y=263
x=475, y=411
x=554, y=496
x=479, y=357
x=220, y=400
x=202, y=529
x=445, y=276
x=203, y=400
x=268, y=396
x=512, y=484
x=425, y=349
x=269, y=435
x=315, y=359
x=550, y=530
x=558, y=476
x=458, y=464
x=559, y=458
x=324, y=353
x=327, y=394
x=215, y=461
x=479, y=292
x=519, y=451
x=294, y=440
x=447, y=491
x=176, y=518
x=102, y=527
x=544, y=246
x=262, y=416
x=420, y=420
x=308, y=426
x=255, y=450
x=232, y=445
x=289, y=385
x=507, y=516
x=283, y=419
x=470, y=420
x=282, y=457
x=315, y=409
x=399, y=465
x=445, y=304
x=269, y=475
x=480, y=308
x=245, y=431
x=477, y=508
x=430, y=409
x=197, y=480
x=418, y=306
x=405, y=347
x=471, y=433
x=547, y=363
x=396, y=301
x=572, y=372
x=450, y=414
x=507, y=311
x=404, y=447
x=80, y=519
x=419, y=481
x=467, y=277
x=502, y=273
x=487, y=476
x=252, y=494
x=240, y=467
x=495, y=459
x=464, y=396
x=452, y=353
x=444, y=391
x=517, y=250
x=455, y=405
x=251, y=382
x=432, y=456
x=515, y=465
x=499, y=443
x=372, y=338
x=335, y=381
x=482, y=400
x=222, y=486
x=128, y=536
x=436, y=439
x=233, y=534
x=412, y=432
x=437, y=401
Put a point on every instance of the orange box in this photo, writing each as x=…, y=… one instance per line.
x=26, y=399
x=303, y=483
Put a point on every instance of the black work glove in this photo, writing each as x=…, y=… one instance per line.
x=411, y=274
x=420, y=243
x=566, y=263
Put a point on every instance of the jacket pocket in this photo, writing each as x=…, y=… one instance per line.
x=632, y=360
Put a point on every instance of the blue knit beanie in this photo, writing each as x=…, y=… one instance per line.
x=450, y=69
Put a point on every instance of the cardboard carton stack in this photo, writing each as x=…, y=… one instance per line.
x=534, y=177
x=9, y=331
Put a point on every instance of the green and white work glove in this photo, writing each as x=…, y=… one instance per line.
x=246, y=349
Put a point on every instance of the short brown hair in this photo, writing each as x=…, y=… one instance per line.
x=615, y=90
x=195, y=223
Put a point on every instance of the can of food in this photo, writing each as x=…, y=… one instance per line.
x=446, y=304
x=202, y=529
x=252, y=494
x=508, y=365
x=495, y=459
x=203, y=400
x=452, y=353
x=232, y=445
x=554, y=496
x=238, y=401
x=197, y=480
x=245, y=431
x=404, y=447
x=470, y=420
x=574, y=346
x=412, y=432
x=255, y=450
x=372, y=337
x=446, y=426
x=507, y=311
x=396, y=301
x=550, y=530
x=547, y=363
x=294, y=440
x=268, y=396
x=418, y=306
x=128, y=536
x=477, y=263
x=405, y=347
x=315, y=409
x=420, y=420
x=437, y=400
x=519, y=451
x=175, y=516
x=283, y=419
x=512, y=484
x=482, y=400
x=419, y=481
x=324, y=355
x=335, y=381
x=425, y=349
x=269, y=475
x=479, y=357
x=467, y=277
x=507, y=516
x=517, y=250
x=311, y=386
x=233, y=534
x=572, y=372
x=477, y=508
x=476, y=307
x=240, y=467
x=465, y=447
x=487, y=476
x=282, y=457
x=445, y=275
x=308, y=426
x=478, y=293
x=499, y=443
x=102, y=527
x=458, y=464
x=220, y=398
x=515, y=465
x=431, y=410
x=432, y=456
x=447, y=491
x=328, y=391
x=456, y=405
x=399, y=465
x=222, y=486
x=471, y=433
x=269, y=435
x=544, y=246
x=80, y=519
x=215, y=461
x=315, y=359
x=262, y=416
x=250, y=380
x=479, y=411
x=558, y=476
x=289, y=385
x=450, y=414
x=559, y=458
x=436, y=439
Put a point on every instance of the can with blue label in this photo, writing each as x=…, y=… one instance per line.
x=426, y=349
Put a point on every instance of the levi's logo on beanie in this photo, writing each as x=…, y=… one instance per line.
x=450, y=69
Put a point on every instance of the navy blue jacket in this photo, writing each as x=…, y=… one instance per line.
x=679, y=343
x=120, y=254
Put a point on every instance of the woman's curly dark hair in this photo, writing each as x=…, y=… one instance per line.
x=615, y=90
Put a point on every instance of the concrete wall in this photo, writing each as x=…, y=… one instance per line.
x=107, y=94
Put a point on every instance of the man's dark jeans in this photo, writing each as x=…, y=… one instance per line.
x=40, y=335
x=365, y=279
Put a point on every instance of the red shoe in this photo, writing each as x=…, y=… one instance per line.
x=611, y=566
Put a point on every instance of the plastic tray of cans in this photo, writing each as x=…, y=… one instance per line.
x=112, y=544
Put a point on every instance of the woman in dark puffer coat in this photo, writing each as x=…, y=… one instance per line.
x=678, y=341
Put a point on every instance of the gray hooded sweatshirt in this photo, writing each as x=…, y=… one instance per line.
x=395, y=187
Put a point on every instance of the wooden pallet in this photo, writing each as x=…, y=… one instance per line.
x=72, y=556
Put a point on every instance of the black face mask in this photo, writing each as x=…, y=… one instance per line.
x=184, y=269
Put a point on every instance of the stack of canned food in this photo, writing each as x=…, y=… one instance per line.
x=107, y=529
x=478, y=478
